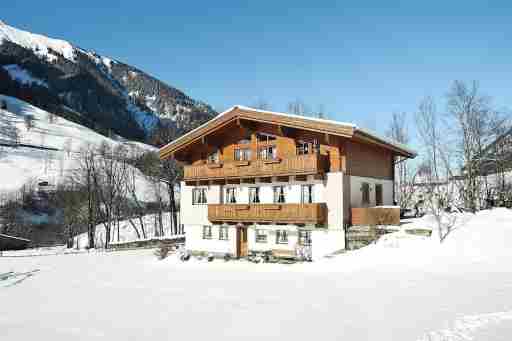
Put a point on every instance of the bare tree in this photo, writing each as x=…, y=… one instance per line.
x=297, y=107
x=476, y=123
x=404, y=180
x=84, y=176
x=262, y=104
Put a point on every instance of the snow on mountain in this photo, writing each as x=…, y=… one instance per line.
x=96, y=86
x=20, y=165
x=23, y=76
x=41, y=45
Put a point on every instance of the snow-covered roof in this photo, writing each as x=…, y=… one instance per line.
x=345, y=129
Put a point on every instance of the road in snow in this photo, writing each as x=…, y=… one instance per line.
x=402, y=288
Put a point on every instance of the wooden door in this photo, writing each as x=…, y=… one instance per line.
x=241, y=238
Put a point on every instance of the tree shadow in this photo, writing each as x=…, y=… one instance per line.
x=11, y=278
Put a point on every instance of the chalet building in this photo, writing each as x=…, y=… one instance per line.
x=257, y=180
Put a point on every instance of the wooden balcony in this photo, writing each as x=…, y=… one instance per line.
x=297, y=165
x=269, y=213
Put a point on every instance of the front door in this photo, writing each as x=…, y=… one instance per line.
x=241, y=241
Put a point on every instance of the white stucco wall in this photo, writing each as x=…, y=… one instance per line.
x=356, y=195
x=194, y=240
x=271, y=244
x=334, y=199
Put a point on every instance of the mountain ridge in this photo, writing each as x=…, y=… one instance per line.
x=107, y=94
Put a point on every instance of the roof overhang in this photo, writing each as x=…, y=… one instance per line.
x=237, y=113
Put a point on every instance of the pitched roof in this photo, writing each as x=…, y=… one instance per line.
x=348, y=130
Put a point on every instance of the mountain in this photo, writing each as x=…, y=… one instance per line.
x=93, y=90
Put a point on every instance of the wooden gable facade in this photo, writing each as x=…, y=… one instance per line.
x=243, y=142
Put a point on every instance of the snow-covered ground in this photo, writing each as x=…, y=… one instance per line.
x=404, y=287
x=20, y=165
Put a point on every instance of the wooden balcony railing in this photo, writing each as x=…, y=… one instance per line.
x=297, y=165
x=278, y=213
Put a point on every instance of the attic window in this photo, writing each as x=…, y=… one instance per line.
x=262, y=137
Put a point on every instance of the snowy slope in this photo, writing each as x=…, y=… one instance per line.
x=20, y=165
x=40, y=44
x=387, y=291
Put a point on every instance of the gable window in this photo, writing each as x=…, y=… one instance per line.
x=378, y=194
x=207, y=232
x=267, y=138
x=281, y=237
x=213, y=157
x=242, y=154
x=365, y=190
x=198, y=196
x=304, y=237
x=223, y=233
x=303, y=148
x=261, y=236
x=230, y=195
x=268, y=152
x=306, y=195
x=254, y=195
x=279, y=195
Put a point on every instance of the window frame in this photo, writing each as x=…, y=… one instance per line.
x=305, y=240
x=379, y=194
x=282, y=233
x=267, y=152
x=281, y=197
x=202, y=198
x=213, y=158
x=234, y=196
x=261, y=236
x=365, y=193
x=242, y=154
x=207, y=235
x=311, y=198
x=223, y=232
x=256, y=198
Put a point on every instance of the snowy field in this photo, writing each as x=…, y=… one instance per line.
x=404, y=287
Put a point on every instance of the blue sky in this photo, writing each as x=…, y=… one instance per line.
x=360, y=60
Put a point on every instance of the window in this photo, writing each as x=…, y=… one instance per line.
x=303, y=148
x=262, y=137
x=268, y=152
x=199, y=196
x=306, y=196
x=242, y=154
x=207, y=232
x=378, y=195
x=279, y=195
x=304, y=237
x=261, y=236
x=254, y=195
x=365, y=189
x=213, y=157
x=231, y=195
x=223, y=233
x=281, y=237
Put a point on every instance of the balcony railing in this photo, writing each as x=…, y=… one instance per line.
x=270, y=213
x=297, y=165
